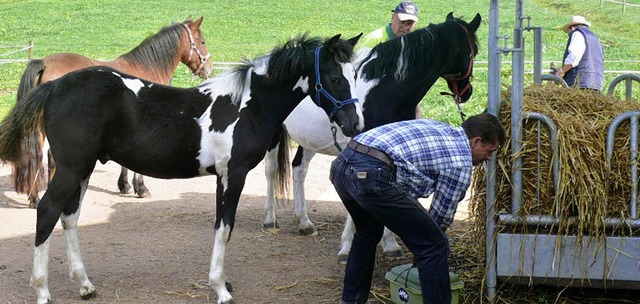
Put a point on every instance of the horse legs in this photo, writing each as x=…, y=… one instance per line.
x=33, y=200
x=226, y=205
x=388, y=242
x=61, y=201
x=138, y=183
x=123, y=181
x=300, y=169
x=138, y=186
x=270, y=171
x=77, y=271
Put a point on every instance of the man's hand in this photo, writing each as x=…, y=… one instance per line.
x=553, y=69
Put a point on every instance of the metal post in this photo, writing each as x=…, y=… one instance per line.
x=493, y=108
x=516, y=106
x=30, y=51
x=537, y=55
x=628, y=89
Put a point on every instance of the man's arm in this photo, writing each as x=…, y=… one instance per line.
x=575, y=50
x=451, y=187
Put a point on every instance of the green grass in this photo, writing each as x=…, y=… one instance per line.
x=235, y=29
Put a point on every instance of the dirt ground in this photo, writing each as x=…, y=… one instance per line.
x=158, y=249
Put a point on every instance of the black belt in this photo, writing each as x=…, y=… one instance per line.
x=371, y=152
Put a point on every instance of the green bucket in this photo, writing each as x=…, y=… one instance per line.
x=405, y=285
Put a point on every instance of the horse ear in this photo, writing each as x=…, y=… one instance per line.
x=188, y=19
x=475, y=23
x=449, y=17
x=198, y=22
x=331, y=43
x=353, y=41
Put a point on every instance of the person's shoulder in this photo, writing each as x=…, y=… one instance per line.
x=373, y=38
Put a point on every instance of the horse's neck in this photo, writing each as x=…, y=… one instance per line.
x=154, y=74
x=391, y=100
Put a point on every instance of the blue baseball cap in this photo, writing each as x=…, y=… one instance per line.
x=407, y=10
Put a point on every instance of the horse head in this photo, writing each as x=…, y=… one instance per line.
x=460, y=72
x=335, y=73
x=195, y=54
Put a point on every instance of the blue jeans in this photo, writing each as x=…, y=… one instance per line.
x=369, y=191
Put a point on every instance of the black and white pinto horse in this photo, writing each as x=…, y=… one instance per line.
x=392, y=79
x=221, y=127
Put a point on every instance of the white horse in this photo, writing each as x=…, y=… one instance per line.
x=392, y=78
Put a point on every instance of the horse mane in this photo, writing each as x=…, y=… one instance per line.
x=292, y=58
x=156, y=53
x=297, y=55
x=417, y=48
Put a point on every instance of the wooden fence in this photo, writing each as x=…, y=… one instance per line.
x=624, y=3
x=13, y=55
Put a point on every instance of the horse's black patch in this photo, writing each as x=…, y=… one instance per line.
x=297, y=160
x=212, y=170
x=225, y=113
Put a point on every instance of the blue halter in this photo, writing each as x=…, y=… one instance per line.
x=319, y=89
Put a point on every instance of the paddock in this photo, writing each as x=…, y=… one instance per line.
x=265, y=267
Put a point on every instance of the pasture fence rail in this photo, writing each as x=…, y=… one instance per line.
x=9, y=57
x=624, y=3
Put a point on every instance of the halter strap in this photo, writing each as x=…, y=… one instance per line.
x=192, y=45
x=319, y=89
x=454, y=80
x=455, y=93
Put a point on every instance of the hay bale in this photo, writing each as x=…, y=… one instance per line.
x=587, y=191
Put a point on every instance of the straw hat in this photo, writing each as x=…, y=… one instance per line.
x=575, y=20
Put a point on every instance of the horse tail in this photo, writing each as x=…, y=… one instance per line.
x=21, y=133
x=283, y=175
x=30, y=78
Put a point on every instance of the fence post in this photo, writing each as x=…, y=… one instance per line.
x=30, y=51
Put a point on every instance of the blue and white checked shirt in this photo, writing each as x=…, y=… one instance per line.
x=431, y=157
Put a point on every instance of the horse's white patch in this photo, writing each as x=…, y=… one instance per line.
x=260, y=65
x=40, y=272
x=401, y=72
x=363, y=87
x=215, y=147
x=134, y=84
x=303, y=84
x=216, y=272
x=349, y=72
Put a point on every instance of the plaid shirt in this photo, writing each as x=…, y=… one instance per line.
x=431, y=157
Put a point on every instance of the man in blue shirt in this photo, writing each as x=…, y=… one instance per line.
x=380, y=176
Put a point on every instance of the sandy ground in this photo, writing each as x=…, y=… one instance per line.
x=157, y=249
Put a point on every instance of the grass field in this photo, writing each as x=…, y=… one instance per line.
x=240, y=28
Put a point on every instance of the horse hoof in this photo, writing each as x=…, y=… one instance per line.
x=90, y=295
x=142, y=193
x=271, y=226
x=342, y=259
x=228, y=302
x=229, y=287
x=124, y=189
x=309, y=231
x=394, y=254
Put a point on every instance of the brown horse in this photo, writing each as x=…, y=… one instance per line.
x=155, y=59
